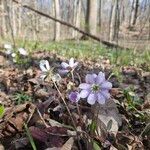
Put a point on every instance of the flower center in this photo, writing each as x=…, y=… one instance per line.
x=95, y=87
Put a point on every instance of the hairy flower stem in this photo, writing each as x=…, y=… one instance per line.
x=78, y=77
x=73, y=122
x=78, y=109
x=72, y=75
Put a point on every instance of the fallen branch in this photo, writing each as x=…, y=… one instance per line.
x=109, y=44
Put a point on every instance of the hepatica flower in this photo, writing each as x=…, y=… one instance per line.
x=95, y=89
x=8, y=48
x=22, y=51
x=74, y=97
x=67, y=67
x=45, y=68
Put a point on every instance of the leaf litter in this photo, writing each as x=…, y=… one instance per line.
x=122, y=123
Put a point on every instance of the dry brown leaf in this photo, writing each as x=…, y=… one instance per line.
x=2, y=147
x=15, y=117
x=109, y=112
x=68, y=145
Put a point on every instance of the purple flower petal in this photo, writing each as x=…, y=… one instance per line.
x=64, y=65
x=92, y=98
x=71, y=62
x=105, y=93
x=90, y=78
x=74, y=96
x=94, y=75
x=84, y=86
x=101, y=98
x=100, y=78
x=84, y=93
x=63, y=72
x=106, y=85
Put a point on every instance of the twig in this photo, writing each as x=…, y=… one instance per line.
x=42, y=118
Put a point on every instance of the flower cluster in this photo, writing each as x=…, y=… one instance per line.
x=10, y=51
x=95, y=89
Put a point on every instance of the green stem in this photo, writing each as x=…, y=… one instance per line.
x=30, y=137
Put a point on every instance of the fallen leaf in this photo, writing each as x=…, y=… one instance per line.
x=109, y=112
x=68, y=145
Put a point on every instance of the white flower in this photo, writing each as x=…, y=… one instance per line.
x=14, y=60
x=22, y=51
x=44, y=65
x=45, y=68
x=13, y=55
x=56, y=78
x=8, y=51
x=67, y=67
x=7, y=46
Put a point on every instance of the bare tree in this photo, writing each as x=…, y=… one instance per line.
x=57, y=24
x=77, y=16
x=19, y=19
x=5, y=18
x=134, y=12
x=100, y=13
x=114, y=23
x=91, y=16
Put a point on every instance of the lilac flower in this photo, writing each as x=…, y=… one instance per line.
x=95, y=89
x=74, y=96
x=67, y=67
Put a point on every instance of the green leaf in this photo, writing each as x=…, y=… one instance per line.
x=93, y=126
x=2, y=110
x=109, y=124
x=96, y=146
x=30, y=137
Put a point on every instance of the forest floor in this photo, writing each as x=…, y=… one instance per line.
x=36, y=117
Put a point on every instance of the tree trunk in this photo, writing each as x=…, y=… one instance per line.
x=57, y=24
x=91, y=16
x=114, y=23
x=122, y=12
x=5, y=18
x=134, y=12
x=77, y=17
x=19, y=20
x=100, y=14
x=149, y=29
x=14, y=19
